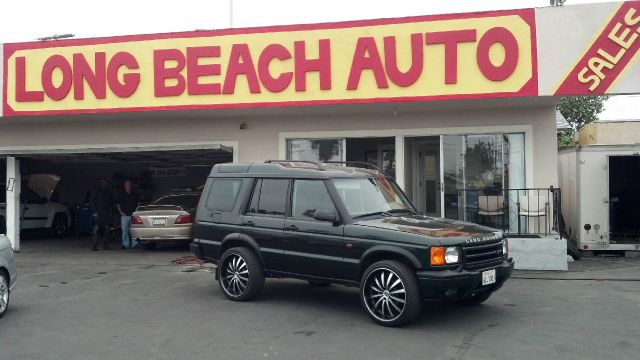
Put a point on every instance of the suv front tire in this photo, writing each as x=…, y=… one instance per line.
x=240, y=276
x=389, y=293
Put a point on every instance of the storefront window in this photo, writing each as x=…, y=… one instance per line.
x=480, y=165
x=315, y=149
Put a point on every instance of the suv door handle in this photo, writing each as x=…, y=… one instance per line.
x=292, y=227
x=249, y=223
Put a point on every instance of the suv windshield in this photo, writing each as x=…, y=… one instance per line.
x=368, y=196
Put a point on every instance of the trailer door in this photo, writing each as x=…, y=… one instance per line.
x=624, y=199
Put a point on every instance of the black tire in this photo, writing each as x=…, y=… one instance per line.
x=59, y=226
x=4, y=286
x=390, y=303
x=314, y=283
x=475, y=299
x=148, y=245
x=241, y=277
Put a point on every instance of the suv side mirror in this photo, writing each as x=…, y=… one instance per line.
x=326, y=215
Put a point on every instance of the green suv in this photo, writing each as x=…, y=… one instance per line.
x=332, y=224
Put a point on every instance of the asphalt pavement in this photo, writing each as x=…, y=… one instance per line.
x=71, y=303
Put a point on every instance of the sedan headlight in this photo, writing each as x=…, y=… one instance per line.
x=444, y=255
x=505, y=247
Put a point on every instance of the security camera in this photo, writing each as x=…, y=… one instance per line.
x=557, y=2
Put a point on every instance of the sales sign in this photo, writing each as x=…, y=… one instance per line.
x=464, y=56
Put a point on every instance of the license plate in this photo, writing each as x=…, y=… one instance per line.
x=159, y=222
x=488, y=277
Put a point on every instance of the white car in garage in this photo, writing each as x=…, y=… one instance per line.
x=37, y=211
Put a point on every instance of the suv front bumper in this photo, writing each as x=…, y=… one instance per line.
x=451, y=284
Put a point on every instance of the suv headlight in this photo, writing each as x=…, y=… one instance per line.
x=505, y=247
x=452, y=255
x=444, y=255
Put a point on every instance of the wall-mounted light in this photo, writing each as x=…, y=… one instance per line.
x=243, y=126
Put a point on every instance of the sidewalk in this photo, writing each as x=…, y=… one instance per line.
x=595, y=268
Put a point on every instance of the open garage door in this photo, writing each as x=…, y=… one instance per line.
x=57, y=204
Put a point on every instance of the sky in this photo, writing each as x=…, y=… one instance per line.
x=29, y=20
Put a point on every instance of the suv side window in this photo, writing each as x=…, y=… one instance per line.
x=309, y=196
x=269, y=197
x=223, y=194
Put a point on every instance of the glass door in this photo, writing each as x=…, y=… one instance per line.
x=426, y=177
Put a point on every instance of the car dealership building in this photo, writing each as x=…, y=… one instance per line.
x=459, y=108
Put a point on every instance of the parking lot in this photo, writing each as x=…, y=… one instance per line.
x=71, y=303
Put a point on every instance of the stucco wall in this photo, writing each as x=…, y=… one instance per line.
x=261, y=139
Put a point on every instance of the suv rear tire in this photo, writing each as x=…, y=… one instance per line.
x=390, y=294
x=240, y=276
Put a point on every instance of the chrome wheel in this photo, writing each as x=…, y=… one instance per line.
x=235, y=275
x=4, y=294
x=384, y=294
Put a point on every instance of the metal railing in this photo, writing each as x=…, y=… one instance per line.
x=518, y=212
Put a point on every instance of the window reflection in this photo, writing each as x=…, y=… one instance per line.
x=315, y=149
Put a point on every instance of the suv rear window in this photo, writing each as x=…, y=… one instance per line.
x=223, y=194
x=269, y=197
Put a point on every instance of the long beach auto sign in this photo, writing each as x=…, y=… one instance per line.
x=424, y=58
x=570, y=50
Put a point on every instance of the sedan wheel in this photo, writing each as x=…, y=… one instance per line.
x=241, y=276
x=59, y=227
x=389, y=292
x=4, y=294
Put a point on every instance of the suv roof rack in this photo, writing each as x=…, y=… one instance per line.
x=366, y=164
x=318, y=164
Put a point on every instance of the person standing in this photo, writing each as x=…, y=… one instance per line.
x=127, y=204
x=101, y=202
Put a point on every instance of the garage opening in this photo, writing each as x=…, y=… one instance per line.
x=56, y=188
x=624, y=198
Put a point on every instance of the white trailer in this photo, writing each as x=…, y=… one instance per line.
x=601, y=196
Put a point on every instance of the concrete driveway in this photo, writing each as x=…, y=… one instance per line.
x=74, y=304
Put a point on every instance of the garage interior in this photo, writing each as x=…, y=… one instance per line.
x=153, y=173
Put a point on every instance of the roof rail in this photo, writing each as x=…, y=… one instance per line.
x=321, y=165
x=316, y=163
x=366, y=164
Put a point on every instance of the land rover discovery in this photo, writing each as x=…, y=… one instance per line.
x=333, y=224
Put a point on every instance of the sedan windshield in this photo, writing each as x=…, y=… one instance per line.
x=368, y=196
x=185, y=201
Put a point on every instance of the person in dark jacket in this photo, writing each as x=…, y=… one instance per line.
x=127, y=204
x=102, y=208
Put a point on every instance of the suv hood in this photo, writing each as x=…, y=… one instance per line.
x=434, y=228
x=43, y=184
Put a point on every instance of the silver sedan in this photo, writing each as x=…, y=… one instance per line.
x=170, y=218
x=8, y=274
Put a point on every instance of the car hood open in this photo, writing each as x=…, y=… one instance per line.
x=43, y=184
